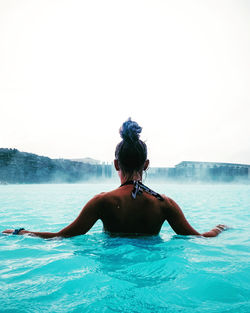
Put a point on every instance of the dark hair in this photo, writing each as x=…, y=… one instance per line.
x=131, y=152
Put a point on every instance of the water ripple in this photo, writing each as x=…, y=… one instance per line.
x=98, y=273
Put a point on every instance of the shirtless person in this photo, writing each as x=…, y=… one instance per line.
x=133, y=208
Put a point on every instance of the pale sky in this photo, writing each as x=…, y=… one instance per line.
x=71, y=72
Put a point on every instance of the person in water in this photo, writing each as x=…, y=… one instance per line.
x=132, y=208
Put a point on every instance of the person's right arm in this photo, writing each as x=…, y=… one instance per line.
x=179, y=223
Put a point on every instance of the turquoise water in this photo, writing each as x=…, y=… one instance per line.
x=97, y=273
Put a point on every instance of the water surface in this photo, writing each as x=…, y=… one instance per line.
x=98, y=273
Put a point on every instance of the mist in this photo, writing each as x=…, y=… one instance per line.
x=27, y=168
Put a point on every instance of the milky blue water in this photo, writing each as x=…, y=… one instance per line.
x=97, y=273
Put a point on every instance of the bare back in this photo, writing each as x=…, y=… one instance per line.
x=120, y=213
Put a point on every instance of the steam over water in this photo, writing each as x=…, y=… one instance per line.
x=97, y=273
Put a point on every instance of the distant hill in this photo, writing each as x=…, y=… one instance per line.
x=86, y=160
x=27, y=168
x=23, y=167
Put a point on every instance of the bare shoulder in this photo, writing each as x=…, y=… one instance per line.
x=109, y=194
x=95, y=203
x=170, y=205
x=103, y=198
x=98, y=198
x=168, y=201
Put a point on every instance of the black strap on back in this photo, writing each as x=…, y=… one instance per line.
x=139, y=187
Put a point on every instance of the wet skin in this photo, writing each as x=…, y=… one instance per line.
x=120, y=213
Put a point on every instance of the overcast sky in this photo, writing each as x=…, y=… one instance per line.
x=72, y=71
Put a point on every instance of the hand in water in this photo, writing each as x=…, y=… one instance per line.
x=8, y=231
x=221, y=227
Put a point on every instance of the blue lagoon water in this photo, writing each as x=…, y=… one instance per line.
x=98, y=273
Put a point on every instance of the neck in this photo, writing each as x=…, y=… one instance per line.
x=127, y=177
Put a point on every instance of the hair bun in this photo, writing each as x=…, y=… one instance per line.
x=130, y=131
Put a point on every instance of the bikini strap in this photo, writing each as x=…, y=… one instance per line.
x=139, y=187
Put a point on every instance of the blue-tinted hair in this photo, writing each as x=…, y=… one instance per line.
x=131, y=152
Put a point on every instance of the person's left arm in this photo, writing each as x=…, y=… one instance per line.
x=81, y=225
